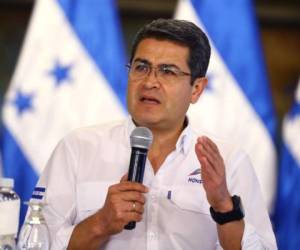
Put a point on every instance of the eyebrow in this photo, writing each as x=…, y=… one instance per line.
x=149, y=63
x=170, y=65
x=142, y=61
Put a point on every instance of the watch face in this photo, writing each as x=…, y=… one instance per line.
x=242, y=208
x=238, y=205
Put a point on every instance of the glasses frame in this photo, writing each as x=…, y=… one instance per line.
x=178, y=73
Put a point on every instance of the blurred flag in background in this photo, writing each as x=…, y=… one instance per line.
x=71, y=73
x=237, y=105
x=287, y=212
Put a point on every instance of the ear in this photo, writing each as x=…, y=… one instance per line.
x=198, y=87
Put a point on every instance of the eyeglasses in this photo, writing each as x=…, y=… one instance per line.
x=164, y=73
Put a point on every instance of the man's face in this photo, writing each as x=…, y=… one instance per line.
x=155, y=99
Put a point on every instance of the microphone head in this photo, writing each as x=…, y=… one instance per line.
x=141, y=137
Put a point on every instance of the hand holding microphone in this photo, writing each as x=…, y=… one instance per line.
x=124, y=204
x=140, y=141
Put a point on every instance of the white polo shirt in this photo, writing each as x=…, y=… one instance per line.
x=89, y=160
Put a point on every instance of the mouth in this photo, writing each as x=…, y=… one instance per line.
x=149, y=100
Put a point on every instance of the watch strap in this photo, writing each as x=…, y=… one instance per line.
x=237, y=213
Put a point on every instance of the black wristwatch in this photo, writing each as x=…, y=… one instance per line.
x=237, y=213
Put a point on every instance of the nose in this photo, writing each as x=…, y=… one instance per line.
x=151, y=80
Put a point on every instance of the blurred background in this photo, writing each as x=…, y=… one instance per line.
x=279, y=23
x=64, y=82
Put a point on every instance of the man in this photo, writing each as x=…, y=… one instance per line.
x=189, y=198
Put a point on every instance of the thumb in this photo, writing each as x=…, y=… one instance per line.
x=124, y=177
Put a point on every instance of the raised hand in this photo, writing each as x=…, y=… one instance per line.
x=213, y=174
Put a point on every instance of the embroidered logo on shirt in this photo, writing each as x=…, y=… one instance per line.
x=195, y=179
x=196, y=172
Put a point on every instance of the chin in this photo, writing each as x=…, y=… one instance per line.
x=146, y=121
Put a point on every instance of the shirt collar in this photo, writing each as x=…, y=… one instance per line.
x=130, y=126
x=183, y=143
x=184, y=140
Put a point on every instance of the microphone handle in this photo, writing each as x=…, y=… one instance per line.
x=136, y=171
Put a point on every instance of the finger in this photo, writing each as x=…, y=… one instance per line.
x=135, y=207
x=213, y=146
x=219, y=162
x=128, y=186
x=212, y=155
x=133, y=196
x=132, y=216
x=207, y=171
x=124, y=177
x=198, y=151
x=201, y=151
x=208, y=145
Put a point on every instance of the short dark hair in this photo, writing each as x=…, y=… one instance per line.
x=184, y=33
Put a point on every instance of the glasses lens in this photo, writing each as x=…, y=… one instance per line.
x=139, y=70
x=164, y=73
x=167, y=73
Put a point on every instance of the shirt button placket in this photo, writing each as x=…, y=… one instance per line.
x=152, y=237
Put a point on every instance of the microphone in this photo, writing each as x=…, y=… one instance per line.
x=140, y=141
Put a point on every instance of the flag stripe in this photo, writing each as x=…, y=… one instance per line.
x=68, y=87
x=287, y=215
x=40, y=189
x=230, y=99
x=84, y=17
x=37, y=197
x=16, y=166
x=232, y=42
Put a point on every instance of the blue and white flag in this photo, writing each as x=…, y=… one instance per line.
x=237, y=104
x=287, y=213
x=71, y=73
